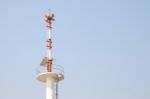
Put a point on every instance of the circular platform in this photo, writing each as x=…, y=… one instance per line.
x=56, y=76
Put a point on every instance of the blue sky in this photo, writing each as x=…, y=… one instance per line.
x=104, y=46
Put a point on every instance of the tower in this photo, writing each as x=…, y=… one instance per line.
x=50, y=75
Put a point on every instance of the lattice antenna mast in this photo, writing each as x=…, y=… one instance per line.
x=48, y=19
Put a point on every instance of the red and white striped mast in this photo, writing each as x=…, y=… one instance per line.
x=49, y=18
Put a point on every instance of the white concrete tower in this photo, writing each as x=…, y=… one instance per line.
x=51, y=75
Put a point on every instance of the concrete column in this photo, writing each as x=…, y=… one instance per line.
x=50, y=88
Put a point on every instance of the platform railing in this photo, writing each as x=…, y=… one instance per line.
x=56, y=69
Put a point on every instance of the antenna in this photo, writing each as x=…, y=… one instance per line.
x=48, y=19
x=52, y=75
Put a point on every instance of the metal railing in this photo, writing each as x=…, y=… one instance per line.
x=56, y=69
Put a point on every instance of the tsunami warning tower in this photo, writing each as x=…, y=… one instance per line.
x=50, y=74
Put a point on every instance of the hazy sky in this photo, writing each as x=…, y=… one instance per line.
x=104, y=46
